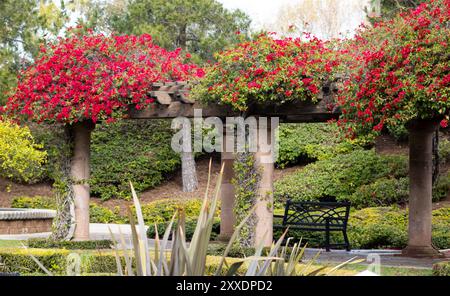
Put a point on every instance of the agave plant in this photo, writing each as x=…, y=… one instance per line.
x=189, y=259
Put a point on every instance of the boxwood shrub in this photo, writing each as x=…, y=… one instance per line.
x=154, y=212
x=40, y=243
x=189, y=229
x=55, y=260
x=97, y=213
x=36, y=202
x=313, y=141
x=441, y=269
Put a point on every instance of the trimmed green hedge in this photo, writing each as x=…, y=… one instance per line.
x=137, y=151
x=40, y=243
x=311, y=141
x=382, y=227
x=55, y=260
x=441, y=269
x=97, y=213
x=340, y=176
x=36, y=202
x=189, y=229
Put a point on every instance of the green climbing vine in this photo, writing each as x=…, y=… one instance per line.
x=245, y=181
x=58, y=143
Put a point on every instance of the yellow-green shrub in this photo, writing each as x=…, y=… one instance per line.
x=441, y=269
x=162, y=210
x=36, y=202
x=21, y=158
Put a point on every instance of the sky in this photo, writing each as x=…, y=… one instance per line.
x=264, y=12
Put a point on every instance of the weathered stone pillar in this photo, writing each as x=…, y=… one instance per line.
x=80, y=173
x=264, y=162
x=227, y=217
x=420, y=191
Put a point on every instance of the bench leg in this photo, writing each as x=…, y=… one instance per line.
x=347, y=243
x=327, y=236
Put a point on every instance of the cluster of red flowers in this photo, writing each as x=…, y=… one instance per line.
x=88, y=76
x=400, y=70
x=268, y=70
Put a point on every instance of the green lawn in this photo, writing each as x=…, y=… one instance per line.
x=393, y=271
x=11, y=243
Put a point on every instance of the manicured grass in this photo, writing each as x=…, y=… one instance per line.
x=393, y=271
x=11, y=243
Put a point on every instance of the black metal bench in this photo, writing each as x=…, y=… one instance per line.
x=318, y=216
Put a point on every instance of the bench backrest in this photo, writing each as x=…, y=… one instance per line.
x=316, y=214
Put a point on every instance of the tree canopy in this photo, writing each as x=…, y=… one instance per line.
x=201, y=27
x=25, y=24
x=89, y=76
x=390, y=8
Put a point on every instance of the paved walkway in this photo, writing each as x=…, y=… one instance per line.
x=387, y=257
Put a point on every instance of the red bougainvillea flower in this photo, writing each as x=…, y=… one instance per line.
x=95, y=77
x=399, y=70
x=268, y=70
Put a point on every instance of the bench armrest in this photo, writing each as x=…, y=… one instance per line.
x=278, y=216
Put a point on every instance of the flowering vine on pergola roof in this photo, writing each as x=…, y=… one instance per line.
x=268, y=71
x=94, y=77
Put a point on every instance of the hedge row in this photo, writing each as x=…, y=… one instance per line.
x=40, y=243
x=55, y=260
x=189, y=229
x=441, y=269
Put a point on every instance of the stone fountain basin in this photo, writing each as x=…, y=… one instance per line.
x=22, y=221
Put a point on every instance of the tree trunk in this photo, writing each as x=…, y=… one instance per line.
x=80, y=173
x=420, y=197
x=188, y=172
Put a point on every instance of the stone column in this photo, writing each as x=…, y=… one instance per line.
x=420, y=191
x=80, y=173
x=264, y=162
x=227, y=217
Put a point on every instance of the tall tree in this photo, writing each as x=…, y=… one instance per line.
x=201, y=27
x=389, y=8
x=24, y=26
x=323, y=18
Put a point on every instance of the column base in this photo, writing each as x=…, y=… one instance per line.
x=422, y=252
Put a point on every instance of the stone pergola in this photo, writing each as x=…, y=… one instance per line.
x=172, y=101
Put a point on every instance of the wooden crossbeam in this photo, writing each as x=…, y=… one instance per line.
x=173, y=101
